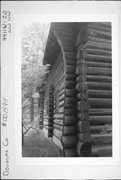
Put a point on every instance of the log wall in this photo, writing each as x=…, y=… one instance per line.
x=67, y=98
x=94, y=88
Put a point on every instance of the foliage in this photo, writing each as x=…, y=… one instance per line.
x=33, y=44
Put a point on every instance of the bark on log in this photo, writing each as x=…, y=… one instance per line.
x=100, y=120
x=69, y=141
x=70, y=111
x=70, y=77
x=84, y=149
x=99, y=33
x=103, y=79
x=82, y=96
x=70, y=152
x=70, y=120
x=97, y=45
x=99, y=40
x=70, y=69
x=83, y=116
x=100, y=112
x=98, y=64
x=100, y=103
x=100, y=26
x=71, y=61
x=83, y=126
x=84, y=137
x=98, y=58
x=69, y=130
x=70, y=92
x=100, y=129
x=98, y=71
x=70, y=84
x=83, y=106
x=101, y=139
x=97, y=86
x=99, y=94
x=102, y=151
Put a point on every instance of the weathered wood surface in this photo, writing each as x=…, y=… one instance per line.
x=70, y=152
x=102, y=151
x=100, y=120
x=69, y=141
x=57, y=142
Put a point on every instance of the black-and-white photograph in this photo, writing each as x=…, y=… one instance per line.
x=66, y=74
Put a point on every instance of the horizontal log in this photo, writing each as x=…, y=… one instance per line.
x=83, y=126
x=70, y=100
x=84, y=137
x=71, y=61
x=61, y=110
x=57, y=133
x=81, y=69
x=69, y=141
x=100, y=112
x=57, y=142
x=70, y=69
x=84, y=149
x=99, y=33
x=70, y=84
x=97, y=86
x=103, y=79
x=101, y=139
x=70, y=55
x=61, y=92
x=58, y=126
x=70, y=120
x=93, y=78
x=102, y=25
x=69, y=130
x=97, y=39
x=83, y=106
x=70, y=92
x=61, y=103
x=100, y=129
x=81, y=87
x=58, y=116
x=83, y=116
x=62, y=86
x=71, y=76
x=98, y=71
x=69, y=48
x=100, y=103
x=70, y=152
x=96, y=45
x=96, y=64
x=99, y=94
x=70, y=111
x=98, y=58
x=82, y=96
x=58, y=121
x=62, y=97
x=102, y=151
x=100, y=120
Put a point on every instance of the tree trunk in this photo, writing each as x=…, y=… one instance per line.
x=31, y=109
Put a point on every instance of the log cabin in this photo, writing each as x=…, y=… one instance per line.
x=76, y=101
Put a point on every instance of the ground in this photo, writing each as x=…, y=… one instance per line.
x=37, y=145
